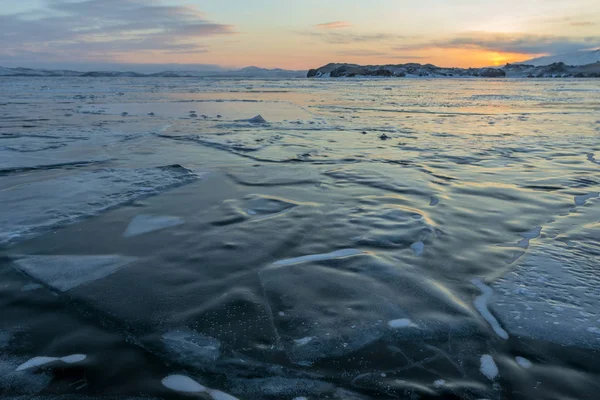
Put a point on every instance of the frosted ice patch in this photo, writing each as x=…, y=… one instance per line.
x=418, y=248
x=67, y=272
x=553, y=295
x=31, y=286
x=481, y=304
x=39, y=361
x=192, y=348
x=141, y=224
x=303, y=341
x=488, y=367
x=182, y=383
x=319, y=257
x=439, y=383
x=401, y=323
x=523, y=362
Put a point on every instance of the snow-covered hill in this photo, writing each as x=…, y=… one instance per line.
x=577, y=58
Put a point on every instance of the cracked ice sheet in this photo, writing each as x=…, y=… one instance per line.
x=345, y=304
x=67, y=272
x=553, y=295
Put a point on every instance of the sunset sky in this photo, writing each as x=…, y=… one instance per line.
x=293, y=34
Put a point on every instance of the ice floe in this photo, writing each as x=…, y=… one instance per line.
x=36, y=206
x=141, y=224
x=66, y=272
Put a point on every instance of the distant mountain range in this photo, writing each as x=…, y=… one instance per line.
x=582, y=64
x=248, y=72
x=577, y=58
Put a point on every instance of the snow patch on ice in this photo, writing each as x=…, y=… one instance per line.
x=218, y=395
x=481, y=304
x=418, y=248
x=439, y=383
x=319, y=257
x=303, y=341
x=523, y=362
x=401, y=323
x=39, y=361
x=182, y=383
x=488, y=367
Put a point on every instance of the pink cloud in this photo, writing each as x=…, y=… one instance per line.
x=334, y=25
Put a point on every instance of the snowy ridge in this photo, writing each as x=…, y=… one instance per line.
x=576, y=58
x=556, y=70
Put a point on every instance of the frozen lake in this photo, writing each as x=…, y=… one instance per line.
x=364, y=239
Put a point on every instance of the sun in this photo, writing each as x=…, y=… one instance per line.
x=499, y=59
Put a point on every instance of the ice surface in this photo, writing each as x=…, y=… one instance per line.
x=182, y=383
x=319, y=257
x=31, y=286
x=581, y=200
x=191, y=348
x=148, y=223
x=41, y=360
x=523, y=362
x=67, y=272
x=481, y=304
x=553, y=295
x=488, y=367
x=324, y=306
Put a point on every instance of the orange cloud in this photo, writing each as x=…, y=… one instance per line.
x=334, y=25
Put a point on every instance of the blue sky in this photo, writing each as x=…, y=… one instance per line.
x=295, y=34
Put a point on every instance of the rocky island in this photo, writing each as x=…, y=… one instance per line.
x=555, y=70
